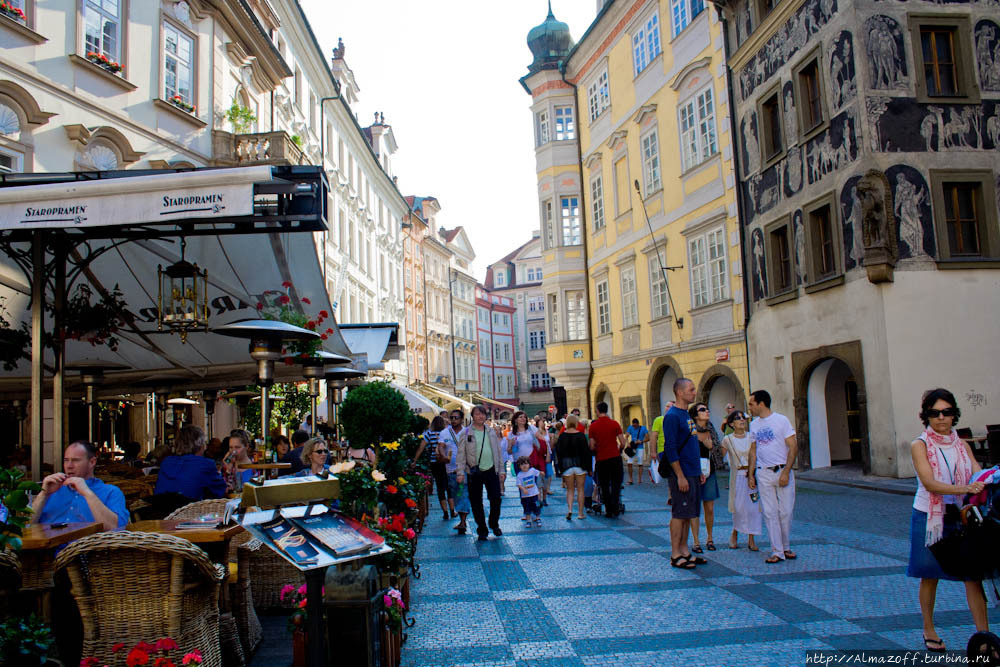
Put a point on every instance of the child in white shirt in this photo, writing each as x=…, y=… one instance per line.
x=527, y=484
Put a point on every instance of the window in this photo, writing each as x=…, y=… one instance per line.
x=823, y=243
x=764, y=8
x=484, y=348
x=536, y=381
x=542, y=127
x=630, y=308
x=501, y=279
x=770, y=119
x=565, y=128
x=496, y=351
x=570, y=211
x=10, y=162
x=646, y=43
x=576, y=315
x=779, y=261
x=697, y=123
x=546, y=380
x=651, y=163
x=538, y=277
x=597, y=202
x=536, y=340
x=506, y=351
x=102, y=20
x=530, y=276
x=942, y=58
x=598, y=96
x=683, y=12
x=603, y=309
x=554, y=317
x=810, y=101
x=548, y=228
x=965, y=214
x=659, y=296
x=506, y=320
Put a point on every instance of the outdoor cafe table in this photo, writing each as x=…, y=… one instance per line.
x=38, y=548
x=215, y=541
x=269, y=469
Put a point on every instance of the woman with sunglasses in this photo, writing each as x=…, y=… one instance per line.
x=945, y=467
x=314, y=457
x=743, y=507
x=711, y=449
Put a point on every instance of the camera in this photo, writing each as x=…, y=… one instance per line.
x=754, y=496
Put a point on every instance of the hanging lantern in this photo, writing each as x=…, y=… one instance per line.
x=183, y=298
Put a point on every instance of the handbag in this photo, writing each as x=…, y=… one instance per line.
x=630, y=451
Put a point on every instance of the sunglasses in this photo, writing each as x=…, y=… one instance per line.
x=702, y=409
x=321, y=451
x=454, y=417
x=947, y=412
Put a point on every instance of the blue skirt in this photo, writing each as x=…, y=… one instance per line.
x=923, y=564
x=710, y=489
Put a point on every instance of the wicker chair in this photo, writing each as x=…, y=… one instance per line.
x=131, y=587
x=268, y=573
x=133, y=489
x=250, y=630
x=10, y=581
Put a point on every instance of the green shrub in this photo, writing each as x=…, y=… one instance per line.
x=374, y=413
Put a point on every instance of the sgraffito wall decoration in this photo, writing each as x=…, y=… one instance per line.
x=911, y=206
x=988, y=55
x=941, y=127
x=886, y=54
x=850, y=215
x=751, y=147
x=799, y=233
x=843, y=75
x=758, y=264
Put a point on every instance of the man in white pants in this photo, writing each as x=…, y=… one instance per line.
x=772, y=455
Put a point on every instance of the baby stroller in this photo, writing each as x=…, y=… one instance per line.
x=973, y=551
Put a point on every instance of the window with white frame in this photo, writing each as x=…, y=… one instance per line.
x=103, y=28
x=630, y=307
x=10, y=161
x=651, y=162
x=707, y=257
x=565, y=127
x=697, y=125
x=570, y=212
x=548, y=226
x=484, y=348
x=533, y=340
x=554, y=327
x=546, y=380
x=660, y=298
x=501, y=279
x=683, y=12
x=597, y=202
x=576, y=315
x=646, y=43
x=542, y=127
x=603, y=309
x=598, y=96
x=506, y=351
x=536, y=381
x=506, y=320
x=538, y=277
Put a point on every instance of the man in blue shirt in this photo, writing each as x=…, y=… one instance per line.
x=680, y=448
x=638, y=436
x=77, y=496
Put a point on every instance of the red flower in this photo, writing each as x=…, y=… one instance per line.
x=118, y=647
x=311, y=324
x=306, y=300
x=194, y=657
x=164, y=662
x=410, y=502
x=137, y=657
x=289, y=361
x=283, y=299
x=260, y=306
x=147, y=648
x=391, y=489
x=302, y=603
x=166, y=644
x=324, y=314
x=323, y=336
x=90, y=662
x=330, y=330
x=409, y=534
x=286, y=284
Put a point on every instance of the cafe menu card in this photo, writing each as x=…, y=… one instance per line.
x=336, y=532
x=290, y=540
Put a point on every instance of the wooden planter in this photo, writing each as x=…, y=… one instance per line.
x=392, y=646
x=300, y=639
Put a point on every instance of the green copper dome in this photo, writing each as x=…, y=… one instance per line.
x=549, y=43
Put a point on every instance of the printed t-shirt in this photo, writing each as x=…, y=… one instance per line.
x=527, y=480
x=605, y=431
x=680, y=441
x=770, y=433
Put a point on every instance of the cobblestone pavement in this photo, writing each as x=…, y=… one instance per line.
x=601, y=591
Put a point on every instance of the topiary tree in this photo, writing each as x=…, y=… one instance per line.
x=374, y=413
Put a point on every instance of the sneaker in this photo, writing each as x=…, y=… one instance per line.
x=538, y=522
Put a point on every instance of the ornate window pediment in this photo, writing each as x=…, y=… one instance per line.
x=101, y=149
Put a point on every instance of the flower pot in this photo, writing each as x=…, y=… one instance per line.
x=300, y=640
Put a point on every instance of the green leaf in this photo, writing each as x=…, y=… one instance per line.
x=28, y=485
x=16, y=500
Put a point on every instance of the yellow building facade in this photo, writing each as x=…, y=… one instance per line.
x=653, y=243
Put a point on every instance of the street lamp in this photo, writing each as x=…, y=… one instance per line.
x=242, y=399
x=184, y=287
x=179, y=405
x=266, y=338
x=92, y=374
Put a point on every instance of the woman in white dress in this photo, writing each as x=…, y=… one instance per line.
x=745, y=510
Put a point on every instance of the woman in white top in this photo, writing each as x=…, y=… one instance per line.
x=523, y=436
x=745, y=511
x=945, y=466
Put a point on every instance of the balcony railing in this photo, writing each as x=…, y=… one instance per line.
x=258, y=148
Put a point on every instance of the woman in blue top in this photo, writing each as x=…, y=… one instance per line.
x=187, y=471
x=314, y=456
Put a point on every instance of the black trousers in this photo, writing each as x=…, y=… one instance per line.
x=610, y=474
x=440, y=479
x=491, y=481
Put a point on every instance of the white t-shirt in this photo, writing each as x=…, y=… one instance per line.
x=524, y=442
x=769, y=433
x=527, y=480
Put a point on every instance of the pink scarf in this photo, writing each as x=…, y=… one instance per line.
x=959, y=476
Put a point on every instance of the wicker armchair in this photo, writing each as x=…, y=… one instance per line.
x=131, y=587
x=250, y=630
x=268, y=573
x=133, y=489
x=10, y=581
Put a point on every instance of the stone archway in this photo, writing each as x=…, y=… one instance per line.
x=719, y=386
x=820, y=378
x=659, y=386
x=602, y=393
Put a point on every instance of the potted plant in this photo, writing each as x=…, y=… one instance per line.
x=297, y=140
x=14, y=508
x=393, y=609
x=96, y=323
x=359, y=489
x=180, y=103
x=240, y=117
x=375, y=413
x=297, y=622
x=277, y=305
x=25, y=642
x=104, y=62
x=161, y=653
x=12, y=12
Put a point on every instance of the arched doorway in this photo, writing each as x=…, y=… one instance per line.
x=721, y=392
x=835, y=429
x=603, y=394
x=660, y=386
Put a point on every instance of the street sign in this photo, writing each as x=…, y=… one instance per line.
x=722, y=355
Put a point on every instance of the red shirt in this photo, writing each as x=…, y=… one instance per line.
x=605, y=431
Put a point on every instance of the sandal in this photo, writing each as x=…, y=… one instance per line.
x=733, y=544
x=697, y=549
x=698, y=560
x=934, y=645
x=710, y=545
x=686, y=565
x=771, y=560
x=753, y=547
x=790, y=555
x=569, y=516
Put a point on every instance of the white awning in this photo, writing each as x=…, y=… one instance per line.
x=370, y=340
x=450, y=401
x=418, y=403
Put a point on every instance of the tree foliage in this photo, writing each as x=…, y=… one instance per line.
x=374, y=413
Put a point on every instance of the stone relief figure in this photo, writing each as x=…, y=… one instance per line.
x=752, y=147
x=759, y=269
x=791, y=129
x=877, y=226
x=854, y=219
x=909, y=198
x=800, y=247
x=927, y=127
x=959, y=123
x=988, y=55
x=842, y=73
x=885, y=58
x=794, y=163
x=993, y=130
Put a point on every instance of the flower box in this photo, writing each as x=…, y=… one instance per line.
x=102, y=60
x=12, y=12
x=179, y=102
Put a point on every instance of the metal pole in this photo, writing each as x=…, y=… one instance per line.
x=316, y=647
x=90, y=414
x=59, y=354
x=265, y=415
x=37, y=299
